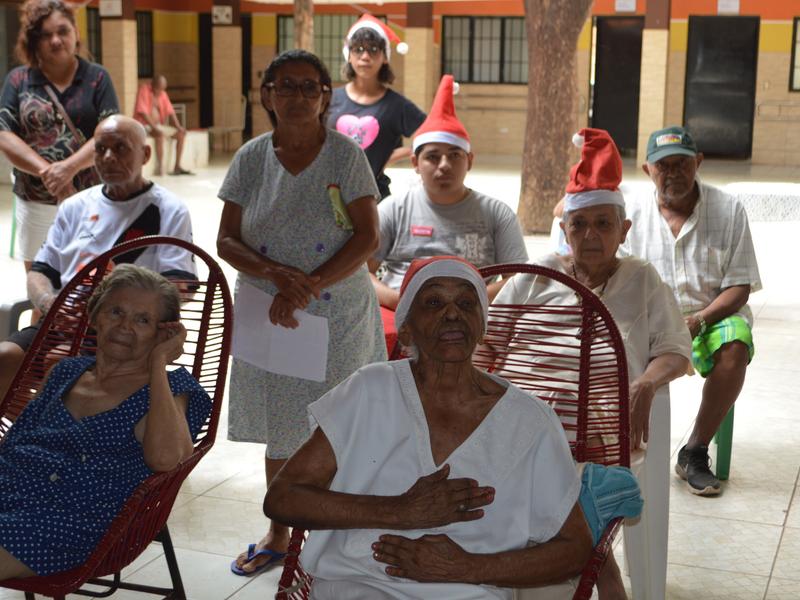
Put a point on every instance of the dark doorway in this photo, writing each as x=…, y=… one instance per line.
x=206, y=67
x=719, y=97
x=618, y=62
x=247, y=72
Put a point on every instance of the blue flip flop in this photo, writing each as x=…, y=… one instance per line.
x=275, y=558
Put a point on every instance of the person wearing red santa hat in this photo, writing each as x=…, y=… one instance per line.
x=440, y=215
x=657, y=344
x=366, y=108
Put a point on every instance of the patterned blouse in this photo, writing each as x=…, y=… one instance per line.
x=27, y=111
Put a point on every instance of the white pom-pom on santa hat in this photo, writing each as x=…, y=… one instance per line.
x=578, y=140
x=402, y=48
x=456, y=88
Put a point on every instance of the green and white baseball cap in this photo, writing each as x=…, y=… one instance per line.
x=668, y=142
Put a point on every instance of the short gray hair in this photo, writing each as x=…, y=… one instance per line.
x=621, y=215
x=131, y=276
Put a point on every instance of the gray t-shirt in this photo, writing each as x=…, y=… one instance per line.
x=480, y=229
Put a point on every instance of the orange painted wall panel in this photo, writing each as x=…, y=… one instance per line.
x=199, y=6
x=506, y=8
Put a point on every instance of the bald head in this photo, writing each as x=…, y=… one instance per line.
x=130, y=128
x=120, y=152
x=159, y=83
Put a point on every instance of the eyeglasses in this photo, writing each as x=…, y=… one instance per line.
x=359, y=50
x=309, y=88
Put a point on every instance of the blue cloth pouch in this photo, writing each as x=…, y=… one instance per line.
x=607, y=493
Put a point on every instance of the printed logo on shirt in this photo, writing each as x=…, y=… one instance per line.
x=147, y=223
x=364, y=130
x=421, y=230
x=667, y=139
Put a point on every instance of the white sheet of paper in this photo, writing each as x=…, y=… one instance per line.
x=301, y=352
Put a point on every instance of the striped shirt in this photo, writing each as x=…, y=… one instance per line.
x=713, y=250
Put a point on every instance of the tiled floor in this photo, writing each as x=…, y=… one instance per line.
x=743, y=545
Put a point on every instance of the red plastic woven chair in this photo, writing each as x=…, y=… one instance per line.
x=64, y=332
x=569, y=356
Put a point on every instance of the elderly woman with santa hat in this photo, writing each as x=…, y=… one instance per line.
x=430, y=478
x=366, y=108
x=657, y=343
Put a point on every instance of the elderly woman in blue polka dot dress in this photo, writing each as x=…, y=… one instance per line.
x=100, y=426
x=299, y=222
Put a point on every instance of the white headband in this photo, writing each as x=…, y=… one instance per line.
x=444, y=137
x=580, y=200
x=441, y=268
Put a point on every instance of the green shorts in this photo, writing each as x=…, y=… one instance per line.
x=729, y=329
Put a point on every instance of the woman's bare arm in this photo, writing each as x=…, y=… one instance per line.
x=299, y=496
x=19, y=154
x=437, y=558
x=164, y=431
x=363, y=213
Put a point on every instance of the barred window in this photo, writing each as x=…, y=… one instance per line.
x=329, y=34
x=94, y=35
x=485, y=49
x=144, y=43
x=794, y=74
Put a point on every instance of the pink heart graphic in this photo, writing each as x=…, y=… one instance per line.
x=363, y=130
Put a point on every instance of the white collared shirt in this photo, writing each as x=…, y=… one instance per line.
x=713, y=250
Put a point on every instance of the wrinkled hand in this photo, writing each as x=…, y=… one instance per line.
x=693, y=323
x=641, y=396
x=431, y=558
x=57, y=178
x=296, y=286
x=282, y=312
x=435, y=500
x=171, y=336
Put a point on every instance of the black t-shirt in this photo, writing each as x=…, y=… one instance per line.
x=27, y=111
x=378, y=128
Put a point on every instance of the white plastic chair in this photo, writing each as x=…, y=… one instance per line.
x=646, y=537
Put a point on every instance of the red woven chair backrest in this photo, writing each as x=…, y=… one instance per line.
x=570, y=356
x=207, y=315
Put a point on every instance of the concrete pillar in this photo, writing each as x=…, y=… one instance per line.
x=120, y=55
x=420, y=69
x=653, y=78
x=227, y=80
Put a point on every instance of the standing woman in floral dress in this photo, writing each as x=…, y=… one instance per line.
x=49, y=109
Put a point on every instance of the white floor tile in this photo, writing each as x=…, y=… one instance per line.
x=787, y=566
x=692, y=583
x=725, y=545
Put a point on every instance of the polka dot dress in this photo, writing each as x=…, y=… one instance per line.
x=64, y=480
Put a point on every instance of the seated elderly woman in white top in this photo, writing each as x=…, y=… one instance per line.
x=427, y=478
x=657, y=342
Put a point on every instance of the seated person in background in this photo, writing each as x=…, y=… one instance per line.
x=124, y=207
x=100, y=426
x=698, y=239
x=427, y=478
x=442, y=216
x=657, y=344
x=153, y=110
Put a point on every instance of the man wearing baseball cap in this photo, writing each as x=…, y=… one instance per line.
x=698, y=239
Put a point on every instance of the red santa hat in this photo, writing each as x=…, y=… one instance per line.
x=442, y=124
x=595, y=178
x=423, y=269
x=388, y=35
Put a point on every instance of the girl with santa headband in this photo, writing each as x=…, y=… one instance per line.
x=366, y=108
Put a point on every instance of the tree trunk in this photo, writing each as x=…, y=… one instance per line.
x=553, y=28
x=304, y=24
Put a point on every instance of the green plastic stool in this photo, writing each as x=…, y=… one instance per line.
x=724, y=439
